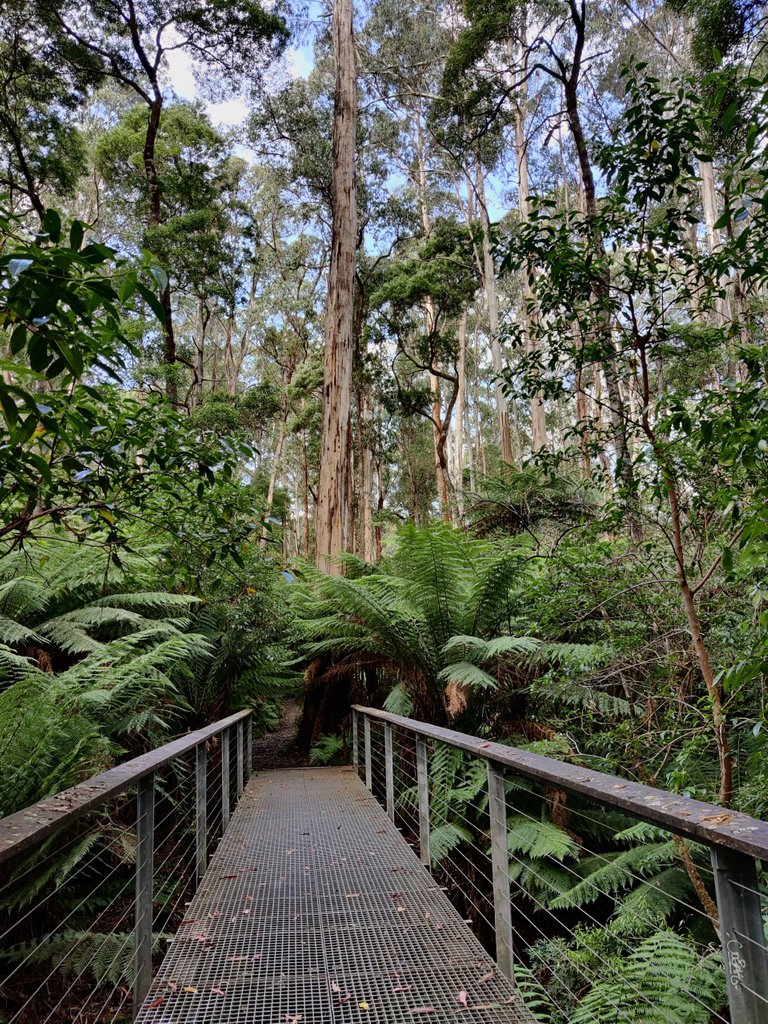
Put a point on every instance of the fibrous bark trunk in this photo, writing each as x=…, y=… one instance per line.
x=335, y=484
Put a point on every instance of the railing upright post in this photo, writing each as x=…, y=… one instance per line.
x=422, y=782
x=741, y=935
x=226, y=778
x=239, y=759
x=249, y=748
x=145, y=856
x=389, y=771
x=201, y=815
x=502, y=906
x=367, y=742
x=355, y=741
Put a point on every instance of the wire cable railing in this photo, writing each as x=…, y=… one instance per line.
x=593, y=916
x=99, y=875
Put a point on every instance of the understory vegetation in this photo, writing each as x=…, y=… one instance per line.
x=438, y=383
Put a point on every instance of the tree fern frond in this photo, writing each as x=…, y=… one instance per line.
x=539, y=839
x=467, y=674
x=397, y=702
x=445, y=838
x=663, y=979
x=611, y=873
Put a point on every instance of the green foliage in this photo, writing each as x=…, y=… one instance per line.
x=327, y=750
x=664, y=978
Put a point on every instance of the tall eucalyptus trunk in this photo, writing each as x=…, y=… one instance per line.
x=334, y=494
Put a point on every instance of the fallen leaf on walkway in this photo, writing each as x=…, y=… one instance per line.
x=201, y=937
x=483, y=746
x=335, y=987
x=345, y=999
x=293, y=1018
x=396, y=895
x=462, y=998
x=222, y=877
x=156, y=1002
x=422, y=1009
x=191, y=988
x=289, y=852
x=218, y=991
x=351, y=895
x=487, y=977
x=172, y=985
x=364, y=1005
x=403, y=988
x=192, y=921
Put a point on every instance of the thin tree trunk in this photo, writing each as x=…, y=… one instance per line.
x=695, y=629
x=538, y=412
x=625, y=468
x=335, y=484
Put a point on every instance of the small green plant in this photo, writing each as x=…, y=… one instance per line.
x=327, y=750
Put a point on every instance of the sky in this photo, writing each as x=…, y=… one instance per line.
x=231, y=112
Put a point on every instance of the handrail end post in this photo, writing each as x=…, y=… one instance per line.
x=502, y=903
x=201, y=806
x=741, y=934
x=145, y=856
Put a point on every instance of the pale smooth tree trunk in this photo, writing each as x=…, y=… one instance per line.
x=441, y=471
x=492, y=305
x=365, y=477
x=458, y=447
x=335, y=483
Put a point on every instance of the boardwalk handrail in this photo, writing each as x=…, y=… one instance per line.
x=683, y=815
x=25, y=828
x=735, y=840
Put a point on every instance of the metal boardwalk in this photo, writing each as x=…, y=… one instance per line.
x=314, y=910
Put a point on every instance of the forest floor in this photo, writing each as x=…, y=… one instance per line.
x=278, y=749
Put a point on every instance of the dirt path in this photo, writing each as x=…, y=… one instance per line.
x=278, y=749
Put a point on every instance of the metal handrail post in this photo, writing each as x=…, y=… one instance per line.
x=145, y=857
x=422, y=781
x=741, y=934
x=367, y=743
x=201, y=805
x=239, y=759
x=355, y=741
x=226, y=779
x=502, y=905
x=249, y=748
x=389, y=771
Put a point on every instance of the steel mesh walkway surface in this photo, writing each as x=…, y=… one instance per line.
x=315, y=910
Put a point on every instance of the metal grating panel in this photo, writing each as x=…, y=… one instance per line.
x=314, y=910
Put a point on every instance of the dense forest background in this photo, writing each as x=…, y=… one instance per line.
x=412, y=353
